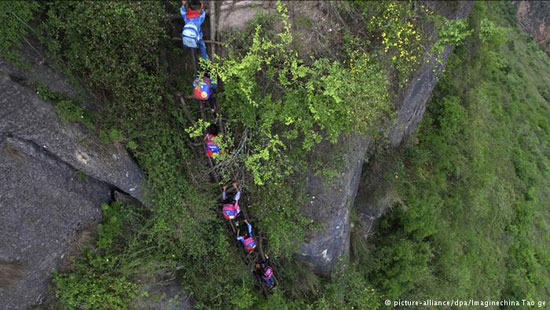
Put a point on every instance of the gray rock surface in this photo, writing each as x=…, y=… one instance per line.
x=331, y=244
x=238, y=14
x=375, y=194
x=26, y=116
x=39, y=71
x=54, y=178
x=412, y=104
x=42, y=203
x=331, y=202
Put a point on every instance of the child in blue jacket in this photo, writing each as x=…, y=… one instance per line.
x=193, y=16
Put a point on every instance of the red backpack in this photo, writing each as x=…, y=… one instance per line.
x=230, y=211
x=212, y=149
x=249, y=244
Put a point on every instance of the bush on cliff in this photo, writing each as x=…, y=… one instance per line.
x=473, y=221
x=15, y=17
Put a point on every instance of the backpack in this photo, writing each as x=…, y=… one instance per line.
x=230, y=211
x=191, y=35
x=268, y=273
x=212, y=149
x=249, y=244
x=202, y=88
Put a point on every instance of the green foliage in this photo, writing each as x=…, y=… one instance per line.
x=112, y=225
x=473, y=221
x=97, y=281
x=67, y=109
x=279, y=217
x=116, y=48
x=278, y=106
x=451, y=32
x=95, y=284
x=400, y=259
x=117, y=56
x=112, y=135
x=321, y=99
x=276, y=301
x=491, y=34
x=348, y=290
x=298, y=282
x=242, y=298
x=395, y=26
x=14, y=25
x=132, y=145
x=81, y=176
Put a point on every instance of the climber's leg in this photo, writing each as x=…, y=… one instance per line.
x=202, y=47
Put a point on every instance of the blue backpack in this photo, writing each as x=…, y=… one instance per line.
x=191, y=35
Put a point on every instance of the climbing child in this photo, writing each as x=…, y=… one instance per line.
x=193, y=15
x=248, y=241
x=230, y=207
x=211, y=140
x=203, y=89
x=265, y=272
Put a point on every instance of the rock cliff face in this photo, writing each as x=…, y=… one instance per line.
x=331, y=244
x=331, y=202
x=26, y=117
x=54, y=178
x=534, y=18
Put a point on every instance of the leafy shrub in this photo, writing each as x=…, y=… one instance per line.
x=279, y=218
x=451, y=32
x=82, y=176
x=112, y=135
x=98, y=281
x=95, y=284
x=69, y=110
x=320, y=100
x=491, y=33
x=116, y=56
x=348, y=290
x=14, y=25
x=396, y=28
x=114, y=216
